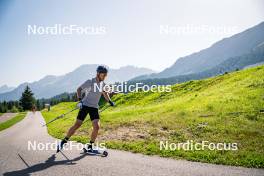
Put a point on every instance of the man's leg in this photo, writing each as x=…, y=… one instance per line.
x=80, y=118
x=96, y=126
x=72, y=130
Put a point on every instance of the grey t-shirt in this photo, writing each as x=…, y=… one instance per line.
x=93, y=92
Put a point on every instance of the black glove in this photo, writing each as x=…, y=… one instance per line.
x=79, y=99
x=111, y=103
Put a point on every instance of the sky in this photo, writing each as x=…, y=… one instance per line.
x=143, y=33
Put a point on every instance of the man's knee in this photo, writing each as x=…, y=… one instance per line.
x=77, y=124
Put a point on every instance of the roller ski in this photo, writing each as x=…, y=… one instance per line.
x=95, y=150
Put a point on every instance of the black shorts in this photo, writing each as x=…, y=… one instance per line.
x=93, y=113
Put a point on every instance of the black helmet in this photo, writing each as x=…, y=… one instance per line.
x=101, y=69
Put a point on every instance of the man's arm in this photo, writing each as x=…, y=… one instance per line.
x=79, y=93
x=106, y=96
x=84, y=86
x=108, y=99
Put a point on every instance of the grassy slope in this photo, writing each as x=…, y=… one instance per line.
x=12, y=121
x=141, y=120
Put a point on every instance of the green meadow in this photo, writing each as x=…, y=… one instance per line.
x=222, y=109
x=20, y=116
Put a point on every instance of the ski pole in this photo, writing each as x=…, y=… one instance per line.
x=104, y=109
x=56, y=118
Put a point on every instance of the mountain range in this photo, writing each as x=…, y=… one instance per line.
x=5, y=88
x=50, y=85
x=227, y=48
x=236, y=52
x=254, y=58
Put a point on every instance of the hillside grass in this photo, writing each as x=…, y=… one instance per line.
x=195, y=110
x=20, y=116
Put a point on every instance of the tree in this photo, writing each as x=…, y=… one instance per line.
x=2, y=108
x=27, y=99
x=14, y=109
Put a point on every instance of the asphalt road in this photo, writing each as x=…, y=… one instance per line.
x=17, y=159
